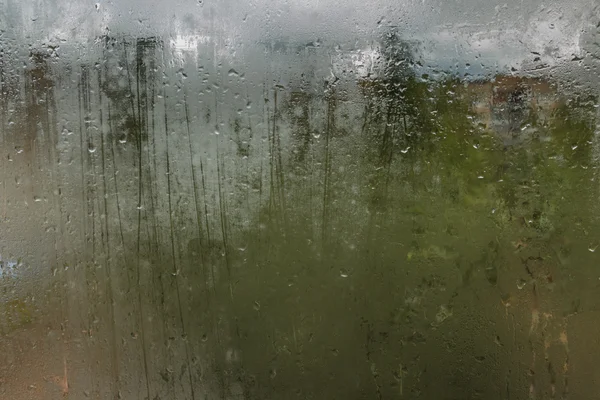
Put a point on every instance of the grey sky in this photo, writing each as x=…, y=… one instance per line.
x=493, y=33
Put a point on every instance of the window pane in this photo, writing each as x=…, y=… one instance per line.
x=299, y=200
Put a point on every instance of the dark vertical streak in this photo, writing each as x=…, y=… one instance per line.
x=194, y=184
x=261, y=168
x=55, y=179
x=250, y=149
x=152, y=173
x=4, y=104
x=277, y=142
x=309, y=191
x=191, y=154
x=82, y=159
x=108, y=260
x=140, y=74
x=141, y=122
x=116, y=181
x=384, y=161
x=158, y=277
x=173, y=252
x=142, y=69
x=387, y=153
x=138, y=134
x=327, y=168
x=91, y=184
x=367, y=116
x=205, y=202
x=83, y=106
x=272, y=172
x=223, y=218
x=139, y=224
x=92, y=158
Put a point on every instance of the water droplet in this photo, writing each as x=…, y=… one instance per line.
x=19, y=150
x=91, y=148
x=256, y=306
x=97, y=5
x=404, y=151
x=217, y=132
x=443, y=314
x=498, y=341
x=343, y=273
x=232, y=72
x=521, y=284
x=592, y=248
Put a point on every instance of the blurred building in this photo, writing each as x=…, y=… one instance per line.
x=512, y=104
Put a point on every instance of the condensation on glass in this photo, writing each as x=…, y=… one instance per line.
x=299, y=200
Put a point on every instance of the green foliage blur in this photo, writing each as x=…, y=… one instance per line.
x=427, y=130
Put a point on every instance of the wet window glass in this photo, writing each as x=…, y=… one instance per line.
x=208, y=199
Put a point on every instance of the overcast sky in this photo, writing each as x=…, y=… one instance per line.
x=492, y=33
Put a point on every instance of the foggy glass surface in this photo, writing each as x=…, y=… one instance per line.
x=299, y=200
